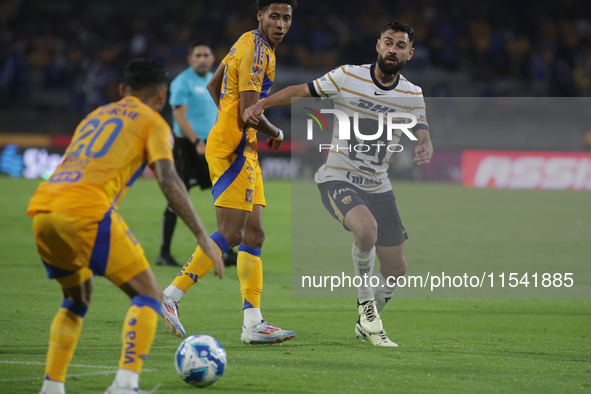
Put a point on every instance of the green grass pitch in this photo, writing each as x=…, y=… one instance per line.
x=448, y=345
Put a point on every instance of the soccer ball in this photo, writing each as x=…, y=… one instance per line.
x=200, y=360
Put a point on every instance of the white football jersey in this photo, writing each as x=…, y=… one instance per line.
x=354, y=89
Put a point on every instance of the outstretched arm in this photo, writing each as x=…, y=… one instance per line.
x=248, y=99
x=178, y=199
x=252, y=114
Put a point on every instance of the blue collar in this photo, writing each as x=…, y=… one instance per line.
x=258, y=34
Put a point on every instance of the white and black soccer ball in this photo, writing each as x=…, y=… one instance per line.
x=200, y=360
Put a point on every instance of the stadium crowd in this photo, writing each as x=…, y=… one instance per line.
x=79, y=47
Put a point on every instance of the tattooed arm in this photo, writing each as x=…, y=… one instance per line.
x=178, y=199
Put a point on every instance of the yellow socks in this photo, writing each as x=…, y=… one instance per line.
x=250, y=273
x=199, y=264
x=63, y=337
x=139, y=329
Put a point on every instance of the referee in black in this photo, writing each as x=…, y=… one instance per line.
x=194, y=114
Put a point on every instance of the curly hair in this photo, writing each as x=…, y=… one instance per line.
x=263, y=4
x=144, y=73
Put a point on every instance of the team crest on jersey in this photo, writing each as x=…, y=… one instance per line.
x=249, y=195
x=346, y=200
x=256, y=70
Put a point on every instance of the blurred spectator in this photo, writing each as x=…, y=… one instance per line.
x=73, y=48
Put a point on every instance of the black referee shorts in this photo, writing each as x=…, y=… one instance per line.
x=340, y=197
x=191, y=167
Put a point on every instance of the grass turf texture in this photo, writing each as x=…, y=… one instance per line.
x=446, y=345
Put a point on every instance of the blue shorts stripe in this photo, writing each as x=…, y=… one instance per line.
x=232, y=172
x=250, y=250
x=220, y=241
x=78, y=309
x=54, y=272
x=148, y=301
x=102, y=244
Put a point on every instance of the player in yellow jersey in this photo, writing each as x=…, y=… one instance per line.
x=242, y=79
x=79, y=233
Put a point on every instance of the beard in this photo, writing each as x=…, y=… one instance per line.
x=390, y=69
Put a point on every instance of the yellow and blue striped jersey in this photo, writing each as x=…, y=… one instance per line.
x=249, y=66
x=109, y=151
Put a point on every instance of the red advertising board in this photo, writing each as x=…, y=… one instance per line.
x=526, y=170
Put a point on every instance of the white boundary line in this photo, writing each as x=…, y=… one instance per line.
x=67, y=376
x=71, y=365
x=109, y=370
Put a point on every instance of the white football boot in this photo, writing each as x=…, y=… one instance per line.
x=169, y=310
x=369, y=318
x=379, y=339
x=264, y=333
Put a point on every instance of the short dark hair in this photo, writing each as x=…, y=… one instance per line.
x=194, y=44
x=400, y=27
x=263, y=4
x=145, y=73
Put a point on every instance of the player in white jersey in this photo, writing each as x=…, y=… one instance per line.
x=354, y=183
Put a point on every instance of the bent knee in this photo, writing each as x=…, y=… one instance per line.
x=233, y=236
x=366, y=237
x=84, y=300
x=395, y=268
x=254, y=237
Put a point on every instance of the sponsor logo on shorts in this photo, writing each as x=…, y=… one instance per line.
x=346, y=200
x=249, y=195
x=132, y=238
x=251, y=178
x=342, y=190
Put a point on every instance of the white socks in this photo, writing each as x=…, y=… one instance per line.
x=252, y=317
x=174, y=292
x=127, y=379
x=383, y=292
x=363, y=263
x=53, y=387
